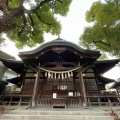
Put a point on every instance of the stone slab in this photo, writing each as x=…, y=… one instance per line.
x=56, y=117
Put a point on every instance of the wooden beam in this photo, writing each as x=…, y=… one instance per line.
x=34, y=77
x=52, y=49
x=35, y=89
x=33, y=69
x=82, y=88
x=96, y=79
x=89, y=65
x=60, y=63
x=74, y=83
x=17, y=95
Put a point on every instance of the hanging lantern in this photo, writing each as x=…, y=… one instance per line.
x=18, y=75
x=83, y=74
x=35, y=75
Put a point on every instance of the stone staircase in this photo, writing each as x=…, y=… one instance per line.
x=56, y=114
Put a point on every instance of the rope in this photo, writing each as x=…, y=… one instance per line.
x=60, y=71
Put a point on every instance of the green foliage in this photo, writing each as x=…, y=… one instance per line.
x=14, y=3
x=33, y=23
x=103, y=57
x=1, y=39
x=58, y=8
x=104, y=34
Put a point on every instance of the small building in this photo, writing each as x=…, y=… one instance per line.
x=4, y=71
x=59, y=73
x=3, y=68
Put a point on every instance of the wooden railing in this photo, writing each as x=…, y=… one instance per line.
x=44, y=101
x=101, y=98
x=65, y=101
x=93, y=98
x=16, y=99
x=74, y=101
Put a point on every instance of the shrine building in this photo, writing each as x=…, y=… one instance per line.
x=59, y=73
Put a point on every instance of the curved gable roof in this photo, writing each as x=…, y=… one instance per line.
x=60, y=42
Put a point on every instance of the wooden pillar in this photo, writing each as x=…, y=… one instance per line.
x=117, y=91
x=10, y=101
x=99, y=101
x=118, y=94
x=82, y=89
x=74, y=84
x=35, y=89
x=44, y=85
x=20, y=100
x=89, y=101
x=96, y=79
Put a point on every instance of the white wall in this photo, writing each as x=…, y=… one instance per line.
x=10, y=74
x=2, y=70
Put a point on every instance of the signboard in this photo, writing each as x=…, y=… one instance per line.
x=54, y=95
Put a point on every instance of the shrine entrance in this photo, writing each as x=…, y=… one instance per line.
x=59, y=74
x=60, y=93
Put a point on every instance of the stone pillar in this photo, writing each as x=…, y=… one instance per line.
x=35, y=89
x=82, y=89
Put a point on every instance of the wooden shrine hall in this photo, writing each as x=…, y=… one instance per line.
x=59, y=73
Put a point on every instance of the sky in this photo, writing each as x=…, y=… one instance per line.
x=72, y=27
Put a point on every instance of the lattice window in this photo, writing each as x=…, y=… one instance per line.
x=29, y=84
x=29, y=73
x=48, y=85
x=90, y=84
x=63, y=82
x=70, y=85
x=77, y=85
x=55, y=82
x=41, y=84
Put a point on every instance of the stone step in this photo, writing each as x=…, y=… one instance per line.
x=38, y=112
x=56, y=114
x=54, y=117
